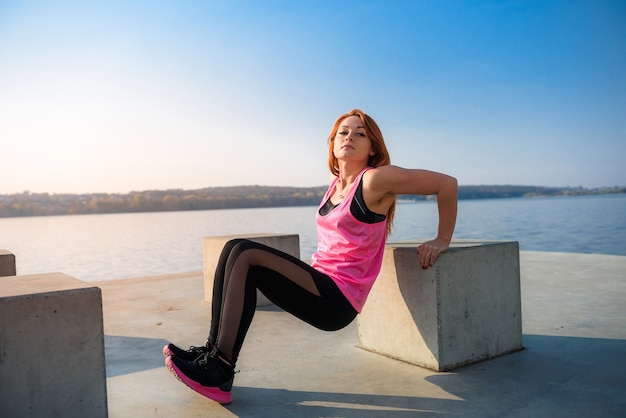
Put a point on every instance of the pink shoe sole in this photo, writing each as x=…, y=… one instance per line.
x=166, y=351
x=213, y=393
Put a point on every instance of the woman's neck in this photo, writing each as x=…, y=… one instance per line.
x=347, y=175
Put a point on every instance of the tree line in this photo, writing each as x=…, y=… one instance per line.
x=45, y=204
x=42, y=204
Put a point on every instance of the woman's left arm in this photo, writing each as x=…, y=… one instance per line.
x=392, y=181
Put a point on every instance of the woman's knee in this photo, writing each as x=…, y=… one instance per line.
x=234, y=246
x=239, y=246
x=240, y=253
x=233, y=242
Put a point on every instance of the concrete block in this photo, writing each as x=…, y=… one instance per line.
x=464, y=309
x=212, y=248
x=51, y=348
x=7, y=264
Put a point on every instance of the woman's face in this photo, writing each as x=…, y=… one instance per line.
x=351, y=141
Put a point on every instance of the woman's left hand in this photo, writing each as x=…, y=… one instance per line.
x=430, y=250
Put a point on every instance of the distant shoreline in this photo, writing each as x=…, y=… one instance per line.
x=239, y=197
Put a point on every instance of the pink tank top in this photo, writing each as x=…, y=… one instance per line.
x=348, y=250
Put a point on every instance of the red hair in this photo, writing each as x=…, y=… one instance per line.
x=380, y=157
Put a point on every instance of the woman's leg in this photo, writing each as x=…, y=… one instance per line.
x=194, y=352
x=218, y=287
x=287, y=281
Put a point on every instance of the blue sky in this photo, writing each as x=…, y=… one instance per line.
x=137, y=95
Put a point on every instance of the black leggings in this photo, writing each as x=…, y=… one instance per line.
x=245, y=266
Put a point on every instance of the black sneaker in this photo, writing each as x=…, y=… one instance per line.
x=207, y=375
x=188, y=355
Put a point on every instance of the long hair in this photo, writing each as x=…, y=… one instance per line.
x=380, y=157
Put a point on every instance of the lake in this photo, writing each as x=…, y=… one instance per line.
x=113, y=246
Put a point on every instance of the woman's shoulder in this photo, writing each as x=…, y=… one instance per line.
x=382, y=174
x=376, y=188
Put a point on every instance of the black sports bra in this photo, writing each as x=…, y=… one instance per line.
x=358, y=208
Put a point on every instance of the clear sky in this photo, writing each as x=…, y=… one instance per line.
x=106, y=96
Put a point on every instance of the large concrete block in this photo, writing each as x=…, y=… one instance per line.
x=464, y=309
x=7, y=264
x=51, y=348
x=212, y=248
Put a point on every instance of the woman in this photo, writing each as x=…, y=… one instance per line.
x=353, y=222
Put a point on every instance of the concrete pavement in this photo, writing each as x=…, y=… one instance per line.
x=573, y=364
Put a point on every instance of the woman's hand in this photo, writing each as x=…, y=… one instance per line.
x=430, y=250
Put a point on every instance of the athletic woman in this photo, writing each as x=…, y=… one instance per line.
x=353, y=222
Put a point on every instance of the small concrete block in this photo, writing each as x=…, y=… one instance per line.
x=7, y=264
x=464, y=309
x=51, y=348
x=212, y=248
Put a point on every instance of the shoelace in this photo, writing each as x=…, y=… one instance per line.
x=204, y=360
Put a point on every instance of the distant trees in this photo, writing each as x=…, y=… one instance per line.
x=42, y=204
x=27, y=204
